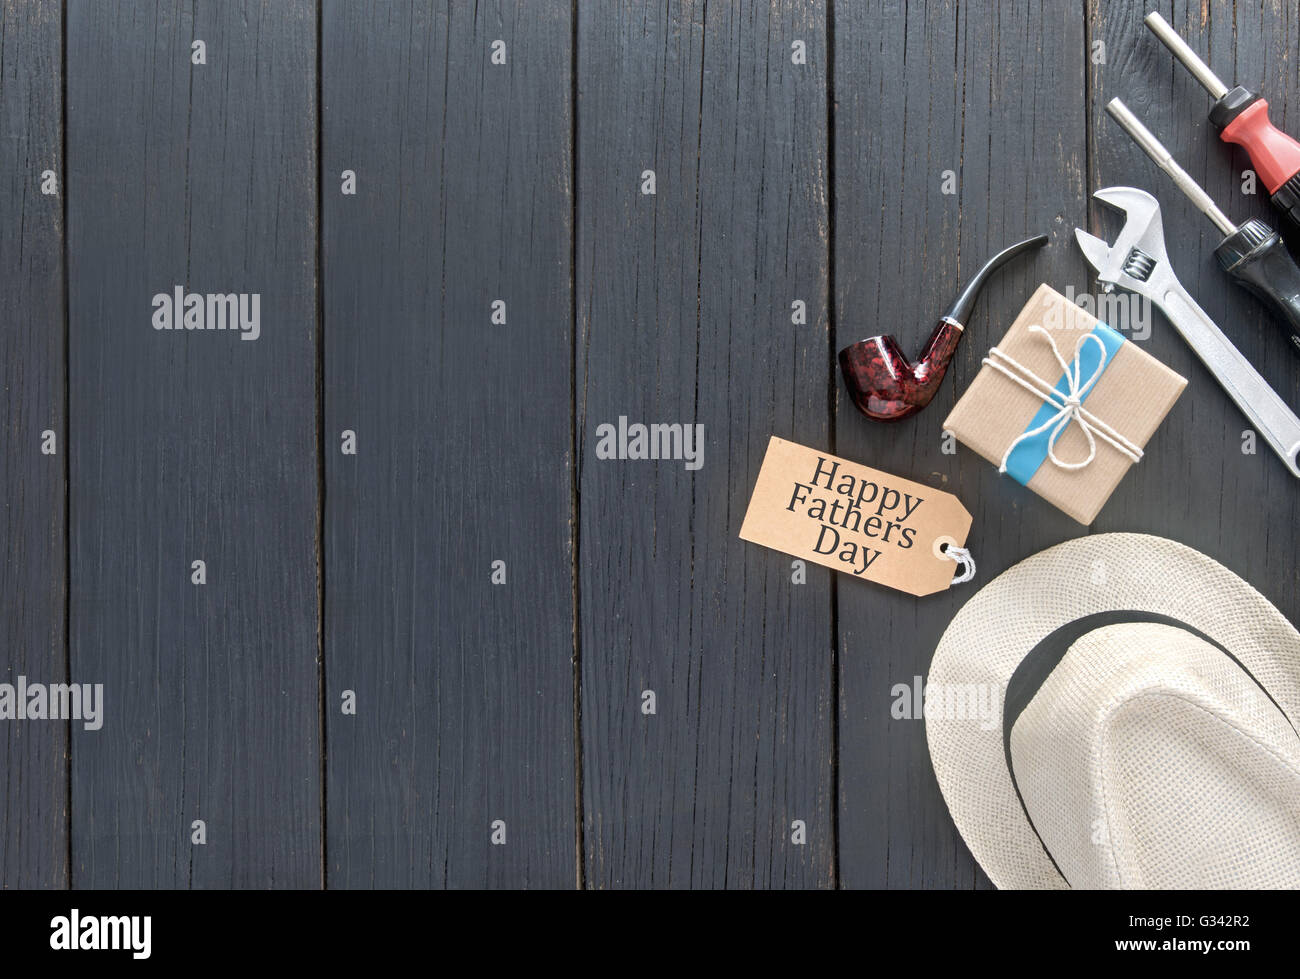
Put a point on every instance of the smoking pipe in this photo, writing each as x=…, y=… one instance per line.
x=884, y=385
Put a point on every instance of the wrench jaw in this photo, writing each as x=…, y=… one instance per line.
x=1138, y=251
x=1113, y=265
x=1101, y=257
x=1139, y=208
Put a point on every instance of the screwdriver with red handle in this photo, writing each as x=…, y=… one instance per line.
x=1241, y=117
x=1252, y=252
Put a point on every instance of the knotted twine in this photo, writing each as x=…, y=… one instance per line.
x=1068, y=409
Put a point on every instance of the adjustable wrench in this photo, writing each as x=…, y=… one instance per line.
x=1138, y=262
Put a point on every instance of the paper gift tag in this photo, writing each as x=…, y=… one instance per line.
x=861, y=521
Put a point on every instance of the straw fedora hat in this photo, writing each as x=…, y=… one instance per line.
x=1147, y=736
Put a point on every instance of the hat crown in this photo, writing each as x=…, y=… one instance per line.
x=1149, y=757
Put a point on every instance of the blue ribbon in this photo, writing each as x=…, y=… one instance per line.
x=1029, y=454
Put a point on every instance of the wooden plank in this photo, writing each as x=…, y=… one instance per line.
x=993, y=96
x=684, y=317
x=193, y=446
x=1196, y=484
x=33, y=576
x=465, y=707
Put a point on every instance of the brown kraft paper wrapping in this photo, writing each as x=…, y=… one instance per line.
x=1132, y=396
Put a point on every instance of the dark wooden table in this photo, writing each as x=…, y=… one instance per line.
x=499, y=286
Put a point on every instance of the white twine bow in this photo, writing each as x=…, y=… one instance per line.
x=1068, y=409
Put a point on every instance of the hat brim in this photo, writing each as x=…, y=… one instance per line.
x=1006, y=619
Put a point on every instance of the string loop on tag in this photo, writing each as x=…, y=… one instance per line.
x=963, y=557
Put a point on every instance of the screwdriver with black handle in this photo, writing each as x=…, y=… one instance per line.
x=1241, y=116
x=1252, y=252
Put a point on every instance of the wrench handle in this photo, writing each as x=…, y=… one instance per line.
x=1267, y=412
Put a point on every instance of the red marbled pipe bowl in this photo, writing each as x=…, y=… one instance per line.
x=885, y=385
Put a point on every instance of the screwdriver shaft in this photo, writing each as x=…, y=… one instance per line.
x=1162, y=158
x=1161, y=29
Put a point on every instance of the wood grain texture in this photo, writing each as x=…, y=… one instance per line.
x=33, y=575
x=994, y=96
x=464, y=688
x=684, y=316
x=189, y=446
x=476, y=442
x=1195, y=484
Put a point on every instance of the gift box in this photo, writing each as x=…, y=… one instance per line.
x=1064, y=404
